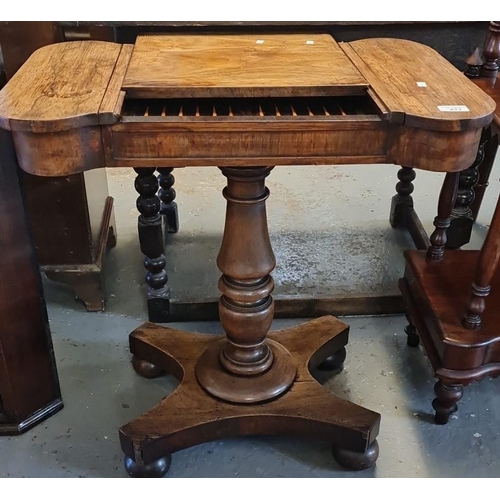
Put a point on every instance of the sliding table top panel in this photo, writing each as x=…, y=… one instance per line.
x=180, y=66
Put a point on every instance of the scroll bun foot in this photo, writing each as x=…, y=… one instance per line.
x=145, y=368
x=356, y=460
x=334, y=362
x=158, y=468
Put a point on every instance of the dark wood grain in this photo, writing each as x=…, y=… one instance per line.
x=190, y=416
x=437, y=295
x=462, y=219
x=442, y=221
x=491, y=51
x=20, y=39
x=402, y=202
x=246, y=308
x=49, y=198
x=487, y=265
x=286, y=307
x=491, y=86
x=29, y=387
x=490, y=151
x=151, y=239
x=245, y=382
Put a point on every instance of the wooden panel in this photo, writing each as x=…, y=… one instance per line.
x=29, y=388
x=76, y=150
x=446, y=287
x=393, y=68
x=433, y=150
x=59, y=219
x=19, y=39
x=240, y=65
x=492, y=87
x=96, y=194
x=59, y=87
x=246, y=143
x=109, y=110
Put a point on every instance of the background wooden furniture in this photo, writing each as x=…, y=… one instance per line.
x=483, y=70
x=71, y=218
x=29, y=387
x=351, y=112
x=451, y=39
x=446, y=297
x=452, y=306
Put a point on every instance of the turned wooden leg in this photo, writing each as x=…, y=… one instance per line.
x=166, y=194
x=461, y=223
x=446, y=400
x=152, y=245
x=356, y=460
x=486, y=268
x=402, y=202
x=412, y=338
x=472, y=183
x=447, y=199
x=256, y=369
x=490, y=148
x=491, y=51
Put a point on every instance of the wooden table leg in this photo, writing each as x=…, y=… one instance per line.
x=29, y=387
x=152, y=243
x=246, y=382
x=166, y=193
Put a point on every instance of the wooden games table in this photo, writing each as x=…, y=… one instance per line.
x=245, y=104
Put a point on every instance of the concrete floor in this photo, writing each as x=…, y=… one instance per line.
x=330, y=234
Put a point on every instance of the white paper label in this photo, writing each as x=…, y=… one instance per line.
x=259, y=41
x=421, y=84
x=310, y=42
x=454, y=109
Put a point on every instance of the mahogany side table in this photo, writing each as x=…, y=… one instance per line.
x=244, y=104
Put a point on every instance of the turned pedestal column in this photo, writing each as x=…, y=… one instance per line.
x=245, y=382
x=255, y=369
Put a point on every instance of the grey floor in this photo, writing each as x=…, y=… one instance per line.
x=330, y=234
